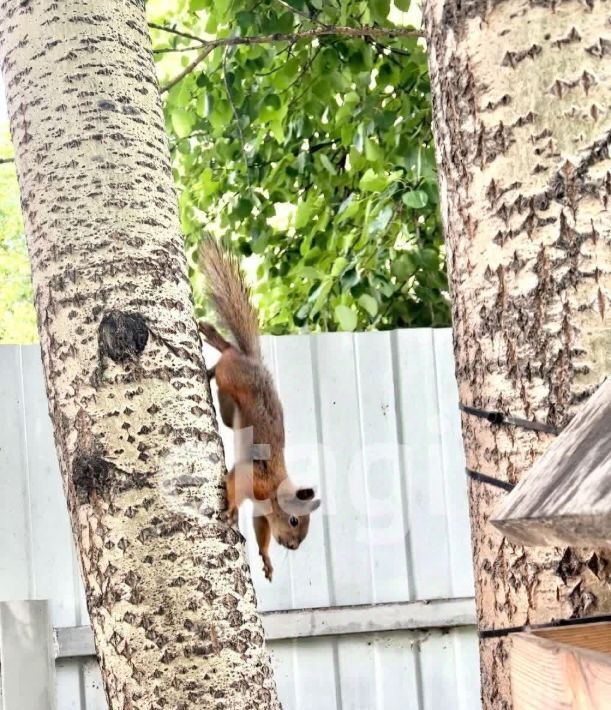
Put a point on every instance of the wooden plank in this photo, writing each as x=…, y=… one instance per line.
x=549, y=674
x=283, y=661
x=397, y=675
x=565, y=498
x=382, y=466
x=346, y=620
x=75, y=642
x=438, y=671
x=466, y=659
x=333, y=621
x=26, y=656
x=356, y=673
x=453, y=462
x=315, y=674
x=15, y=570
x=93, y=687
x=595, y=637
x=423, y=469
x=52, y=547
x=346, y=487
x=68, y=683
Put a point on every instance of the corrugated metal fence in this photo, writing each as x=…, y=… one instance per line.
x=371, y=419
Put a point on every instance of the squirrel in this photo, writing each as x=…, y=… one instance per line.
x=248, y=398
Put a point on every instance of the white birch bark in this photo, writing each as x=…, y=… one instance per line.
x=522, y=118
x=168, y=588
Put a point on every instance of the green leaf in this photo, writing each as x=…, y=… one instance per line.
x=416, y=199
x=308, y=272
x=245, y=20
x=302, y=214
x=285, y=23
x=349, y=207
x=381, y=220
x=182, y=122
x=403, y=5
x=403, y=267
x=328, y=165
x=369, y=304
x=208, y=184
x=372, y=181
x=243, y=208
x=277, y=130
x=373, y=152
x=272, y=101
x=221, y=7
x=319, y=297
x=204, y=104
x=339, y=265
x=429, y=259
x=345, y=317
x=221, y=114
x=379, y=9
x=349, y=279
x=259, y=245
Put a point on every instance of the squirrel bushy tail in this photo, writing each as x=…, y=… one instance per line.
x=230, y=295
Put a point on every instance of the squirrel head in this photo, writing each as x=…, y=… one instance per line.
x=289, y=518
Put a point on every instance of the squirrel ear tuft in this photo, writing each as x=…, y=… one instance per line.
x=305, y=494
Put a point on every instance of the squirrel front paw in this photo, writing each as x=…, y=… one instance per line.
x=268, y=570
x=232, y=515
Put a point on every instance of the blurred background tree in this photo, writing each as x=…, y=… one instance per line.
x=311, y=157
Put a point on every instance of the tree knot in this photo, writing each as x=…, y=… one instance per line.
x=122, y=336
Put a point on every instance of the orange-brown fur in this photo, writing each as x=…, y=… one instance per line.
x=248, y=398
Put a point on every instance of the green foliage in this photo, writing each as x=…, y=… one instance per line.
x=313, y=160
x=17, y=317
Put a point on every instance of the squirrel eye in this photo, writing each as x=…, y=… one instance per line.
x=293, y=521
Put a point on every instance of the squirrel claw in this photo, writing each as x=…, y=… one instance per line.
x=232, y=516
x=268, y=570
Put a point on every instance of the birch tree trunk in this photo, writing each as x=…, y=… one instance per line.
x=168, y=588
x=522, y=114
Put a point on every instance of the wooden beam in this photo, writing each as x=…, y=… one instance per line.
x=562, y=668
x=335, y=621
x=565, y=498
x=369, y=618
x=26, y=656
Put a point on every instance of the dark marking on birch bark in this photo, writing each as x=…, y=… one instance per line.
x=90, y=474
x=122, y=336
x=512, y=59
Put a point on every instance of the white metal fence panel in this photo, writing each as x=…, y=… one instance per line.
x=372, y=420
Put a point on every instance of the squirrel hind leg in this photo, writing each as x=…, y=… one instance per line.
x=228, y=409
x=213, y=337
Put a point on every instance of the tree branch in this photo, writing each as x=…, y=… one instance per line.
x=325, y=31
x=305, y=15
x=188, y=69
x=170, y=50
x=174, y=31
x=236, y=117
x=4, y=161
